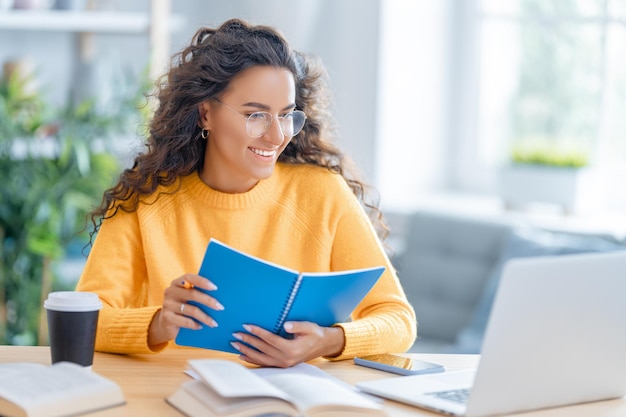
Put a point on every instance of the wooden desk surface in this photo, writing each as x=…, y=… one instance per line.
x=147, y=379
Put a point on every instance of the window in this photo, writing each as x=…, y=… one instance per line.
x=549, y=71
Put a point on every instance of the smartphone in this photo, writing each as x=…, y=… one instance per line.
x=398, y=364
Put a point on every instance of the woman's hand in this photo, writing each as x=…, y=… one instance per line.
x=176, y=311
x=309, y=341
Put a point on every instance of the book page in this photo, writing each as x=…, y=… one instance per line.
x=314, y=393
x=207, y=399
x=230, y=379
x=305, y=369
x=57, y=387
x=305, y=386
x=299, y=369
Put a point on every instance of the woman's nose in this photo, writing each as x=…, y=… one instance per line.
x=275, y=133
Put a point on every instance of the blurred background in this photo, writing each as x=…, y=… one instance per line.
x=499, y=109
x=430, y=96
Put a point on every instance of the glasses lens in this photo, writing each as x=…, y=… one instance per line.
x=258, y=124
x=292, y=123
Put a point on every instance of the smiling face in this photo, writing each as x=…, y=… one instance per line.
x=234, y=161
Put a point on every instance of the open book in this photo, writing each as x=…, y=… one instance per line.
x=229, y=389
x=62, y=389
x=255, y=291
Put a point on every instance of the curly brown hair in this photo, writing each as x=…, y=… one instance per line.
x=201, y=72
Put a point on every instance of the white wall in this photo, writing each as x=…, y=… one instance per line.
x=413, y=147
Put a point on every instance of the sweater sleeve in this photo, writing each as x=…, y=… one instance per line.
x=384, y=321
x=116, y=271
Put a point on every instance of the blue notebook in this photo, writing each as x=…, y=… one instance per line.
x=254, y=291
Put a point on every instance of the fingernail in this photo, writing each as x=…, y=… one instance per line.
x=288, y=326
x=213, y=323
x=210, y=286
x=234, y=345
x=218, y=306
x=248, y=328
x=237, y=336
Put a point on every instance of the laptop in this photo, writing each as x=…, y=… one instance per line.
x=556, y=336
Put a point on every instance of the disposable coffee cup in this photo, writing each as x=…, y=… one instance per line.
x=72, y=325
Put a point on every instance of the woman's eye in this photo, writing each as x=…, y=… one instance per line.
x=256, y=116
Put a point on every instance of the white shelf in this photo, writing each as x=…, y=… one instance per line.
x=156, y=24
x=79, y=21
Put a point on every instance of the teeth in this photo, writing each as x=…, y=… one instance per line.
x=262, y=152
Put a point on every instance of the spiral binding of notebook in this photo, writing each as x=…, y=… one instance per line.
x=278, y=327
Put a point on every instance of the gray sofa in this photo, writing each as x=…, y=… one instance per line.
x=449, y=266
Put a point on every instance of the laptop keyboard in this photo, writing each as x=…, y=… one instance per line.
x=455, y=395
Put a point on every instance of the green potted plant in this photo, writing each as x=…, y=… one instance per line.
x=547, y=153
x=55, y=166
x=550, y=171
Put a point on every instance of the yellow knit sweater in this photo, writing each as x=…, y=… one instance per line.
x=302, y=217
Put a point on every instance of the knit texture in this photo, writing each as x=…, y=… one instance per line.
x=302, y=217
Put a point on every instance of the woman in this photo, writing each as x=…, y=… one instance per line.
x=238, y=150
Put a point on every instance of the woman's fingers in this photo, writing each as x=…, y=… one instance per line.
x=189, y=281
x=182, y=298
x=191, y=311
x=262, y=347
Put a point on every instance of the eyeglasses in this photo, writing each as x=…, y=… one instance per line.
x=259, y=123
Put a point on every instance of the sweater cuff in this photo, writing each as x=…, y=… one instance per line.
x=372, y=336
x=126, y=330
x=358, y=340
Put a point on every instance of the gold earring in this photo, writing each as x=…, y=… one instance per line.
x=205, y=134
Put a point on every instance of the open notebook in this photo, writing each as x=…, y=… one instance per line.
x=556, y=336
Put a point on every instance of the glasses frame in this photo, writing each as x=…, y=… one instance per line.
x=280, y=120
